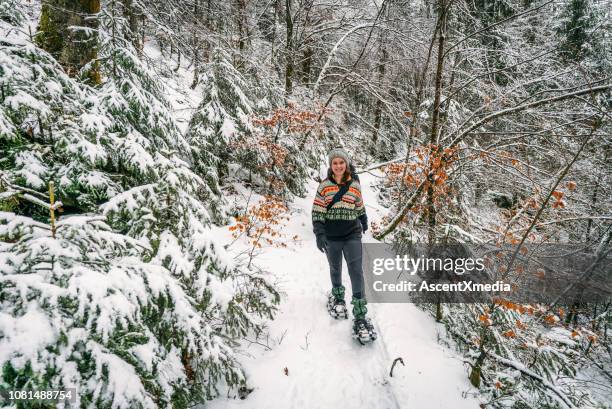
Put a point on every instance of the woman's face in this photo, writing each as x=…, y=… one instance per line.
x=338, y=166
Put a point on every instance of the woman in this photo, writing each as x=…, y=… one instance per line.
x=339, y=218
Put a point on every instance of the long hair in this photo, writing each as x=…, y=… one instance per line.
x=345, y=176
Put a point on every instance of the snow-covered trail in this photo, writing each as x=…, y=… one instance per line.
x=326, y=368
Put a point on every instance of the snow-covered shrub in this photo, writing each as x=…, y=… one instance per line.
x=523, y=354
x=82, y=310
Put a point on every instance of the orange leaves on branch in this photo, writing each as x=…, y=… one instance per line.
x=272, y=155
x=410, y=180
x=377, y=227
x=561, y=312
x=532, y=202
x=551, y=319
x=262, y=223
x=484, y=318
x=571, y=185
x=394, y=170
x=558, y=204
x=509, y=305
x=430, y=167
x=558, y=195
x=440, y=159
x=509, y=334
x=294, y=119
x=429, y=164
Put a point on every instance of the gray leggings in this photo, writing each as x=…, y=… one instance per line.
x=352, y=254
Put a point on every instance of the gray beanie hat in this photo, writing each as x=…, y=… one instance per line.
x=338, y=153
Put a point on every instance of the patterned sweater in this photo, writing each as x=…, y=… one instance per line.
x=346, y=218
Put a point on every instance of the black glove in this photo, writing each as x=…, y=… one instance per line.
x=363, y=219
x=322, y=243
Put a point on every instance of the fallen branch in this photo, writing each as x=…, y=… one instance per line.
x=395, y=362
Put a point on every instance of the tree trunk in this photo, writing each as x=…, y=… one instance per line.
x=196, y=45
x=277, y=8
x=379, y=104
x=289, y=49
x=239, y=13
x=419, y=84
x=308, y=50
x=307, y=65
x=73, y=49
x=594, y=201
x=431, y=210
x=132, y=16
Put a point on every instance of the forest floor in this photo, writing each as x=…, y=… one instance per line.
x=325, y=367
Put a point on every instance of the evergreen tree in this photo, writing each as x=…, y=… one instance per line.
x=221, y=118
x=45, y=131
x=132, y=302
x=576, y=22
x=583, y=32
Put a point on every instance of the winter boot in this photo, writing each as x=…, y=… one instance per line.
x=336, y=306
x=363, y=330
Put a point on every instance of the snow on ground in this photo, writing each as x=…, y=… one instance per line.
x=183, y=100
x=326, y=368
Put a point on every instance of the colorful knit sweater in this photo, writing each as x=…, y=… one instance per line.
x=346, y=218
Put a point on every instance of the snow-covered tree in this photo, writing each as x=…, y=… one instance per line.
x=221, y=118
x=131, y=300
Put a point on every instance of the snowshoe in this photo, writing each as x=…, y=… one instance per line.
x=336, y=306
x=363, y=331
